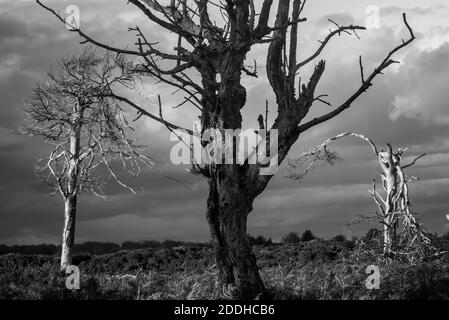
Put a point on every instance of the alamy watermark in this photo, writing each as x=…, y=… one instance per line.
x=373, y=280
x=226, y=146
x=373, y=20
x=72, y=282
x=72, y=17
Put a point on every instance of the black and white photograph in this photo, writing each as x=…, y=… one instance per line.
x=224, y=150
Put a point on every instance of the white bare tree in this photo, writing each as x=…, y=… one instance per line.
x=73, y=110
x=400, y=223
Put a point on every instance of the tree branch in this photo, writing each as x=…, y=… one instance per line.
x=365, y=85
x=86, y=37
x=326, y=41
x=146, y=113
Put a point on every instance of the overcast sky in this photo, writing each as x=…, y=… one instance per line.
x=407, y=106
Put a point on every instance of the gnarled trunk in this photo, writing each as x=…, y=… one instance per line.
x=68, y=234
x=228, y=206
x=389, y=162
x=390, y=233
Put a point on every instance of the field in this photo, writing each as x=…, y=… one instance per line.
x=318, y=269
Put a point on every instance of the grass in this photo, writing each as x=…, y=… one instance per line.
x=307, y=271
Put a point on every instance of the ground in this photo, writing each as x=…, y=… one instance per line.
x=318, y=269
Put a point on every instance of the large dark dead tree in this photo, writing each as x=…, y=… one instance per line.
x=207, y=65
x=72, y=110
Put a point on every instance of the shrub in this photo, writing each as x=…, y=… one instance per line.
x=307, y=236
x=292, y=237
x=339, y=238
x=259, y=241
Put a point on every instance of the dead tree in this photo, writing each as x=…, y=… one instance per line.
x=207, y=65
x=72, y=110
x=400, y=224
x=394, y=207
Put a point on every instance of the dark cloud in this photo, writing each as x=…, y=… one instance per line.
x=421, y=88
x=31, y=41
x=11, y=29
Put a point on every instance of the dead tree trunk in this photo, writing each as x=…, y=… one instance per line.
x=68, y=233
x=389, y=162
x=228, y=206
x=394, y=208
x=231, y=193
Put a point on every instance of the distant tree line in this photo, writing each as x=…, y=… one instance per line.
x=259, y=241
x=95, y=247
x=293, y=237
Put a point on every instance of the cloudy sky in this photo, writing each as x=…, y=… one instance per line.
x=407, y=106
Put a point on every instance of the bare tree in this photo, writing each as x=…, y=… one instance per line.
x=207, y=65
x=72, y=109
x=400, y=223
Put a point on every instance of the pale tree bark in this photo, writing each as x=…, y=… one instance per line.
x=399, y=223
x=70, y=200
x=68, y=233
x=394, y=207
x=389, y=163
x=217, y=51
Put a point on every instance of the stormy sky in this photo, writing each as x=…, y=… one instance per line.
x=407, y=106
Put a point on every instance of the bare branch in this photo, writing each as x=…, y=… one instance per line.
x=414, y=161
x=146, y=113
x=324, y=43
x=321, y=153
x=365, y=85
x=86, y=37
x=75, y=109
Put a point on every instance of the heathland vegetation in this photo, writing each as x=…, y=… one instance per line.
x=298, y=268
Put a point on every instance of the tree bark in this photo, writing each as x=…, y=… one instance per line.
x=228, y=206
x=68, y=234
x=388, y=162
x=231, y=191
